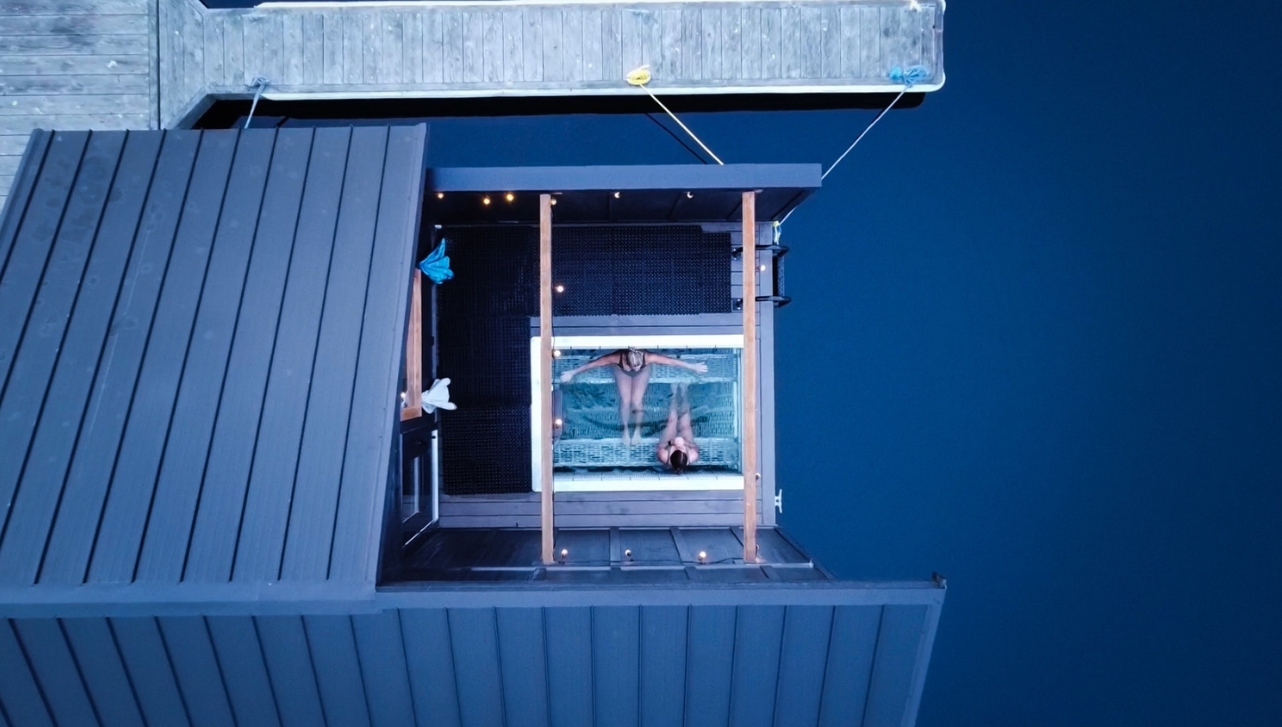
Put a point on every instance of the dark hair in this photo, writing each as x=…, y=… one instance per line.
x=678, y=460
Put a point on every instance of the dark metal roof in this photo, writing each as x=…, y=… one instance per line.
x=798, y=654
x=200, y=335
x=629, y=194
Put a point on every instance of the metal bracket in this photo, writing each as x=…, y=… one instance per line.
x=779, y=501
x=780, y=298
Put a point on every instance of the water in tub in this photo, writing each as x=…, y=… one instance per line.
x=592, y=434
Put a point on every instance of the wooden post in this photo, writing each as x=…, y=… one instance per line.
x=545, y=371
x=412, y=407
x=750, y=377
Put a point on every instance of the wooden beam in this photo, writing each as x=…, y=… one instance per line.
x=750, y=377
x=545, y=371
x=412, y=407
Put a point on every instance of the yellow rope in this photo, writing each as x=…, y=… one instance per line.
x=639, y=77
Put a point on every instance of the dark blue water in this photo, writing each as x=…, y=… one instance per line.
x=1036, y=345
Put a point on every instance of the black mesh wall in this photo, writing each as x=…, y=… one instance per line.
x=484, y=313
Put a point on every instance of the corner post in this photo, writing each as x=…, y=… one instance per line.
x=749, y=377
x=412, y=407
x=545, y=372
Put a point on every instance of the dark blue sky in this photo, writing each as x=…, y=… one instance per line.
x=1036, y=345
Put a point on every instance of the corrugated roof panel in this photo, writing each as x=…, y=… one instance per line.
x=51, y=661
x=534, y=656
x=851, y=651
x=663, y=665
x=291, y=670
x=524, y=678
x=615, y=662
x=430, y=665
x=188, y=644
x=199, y=373
x=382, y=657
x=709, y=664
x=151, y=673
x=103, y=670
x=807, y=632
x=569, y=660
x=338, y=670
x=244, y=670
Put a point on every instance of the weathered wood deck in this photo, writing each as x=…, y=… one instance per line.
x=133, y=64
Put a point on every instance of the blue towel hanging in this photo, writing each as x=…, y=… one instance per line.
x=436, y=265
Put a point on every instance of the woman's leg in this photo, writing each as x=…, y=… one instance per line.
x=684, y=428
x=624, y=384
x=639, y=384
x=669, y=429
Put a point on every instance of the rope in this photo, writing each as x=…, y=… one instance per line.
x=260, y=85
x=639, y=78
x=907, y=78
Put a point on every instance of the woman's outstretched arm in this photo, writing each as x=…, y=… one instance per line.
x=604, y=359
x=698, y=367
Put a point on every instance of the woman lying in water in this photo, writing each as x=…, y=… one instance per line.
x=676, y=448
x=631, y=368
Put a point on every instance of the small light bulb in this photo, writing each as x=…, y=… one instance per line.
x=617, y=195
x=509, y=196
x=627, y=553
x=565, y=552
x=702, y=556
x=556, y=353
x=560, y=289
x=440, y=195
x=762, y=268
x=689, y=195
x=553, y=200
x=485, y=200
x=557, y=422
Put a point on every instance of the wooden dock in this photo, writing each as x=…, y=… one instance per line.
x=136, y=64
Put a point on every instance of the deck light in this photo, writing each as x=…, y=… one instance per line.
x=509, y=196
x=565, y=552
x=628, y=554
x=440, y=195
x=616, y=195
x=560, y=288
x=689, y=195
x=703, y=556
x=552, y=201
x=485, y=200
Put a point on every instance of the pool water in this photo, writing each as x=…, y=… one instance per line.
x=591, y=438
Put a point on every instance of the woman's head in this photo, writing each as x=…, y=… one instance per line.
x=678, y=460
x=636, y=358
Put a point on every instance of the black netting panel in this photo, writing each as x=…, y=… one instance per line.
x=483, y=323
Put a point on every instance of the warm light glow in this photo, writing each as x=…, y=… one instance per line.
x=556, y=353
x=552, y=201
x=440, y=195
x=509, y=196
x=559, y=288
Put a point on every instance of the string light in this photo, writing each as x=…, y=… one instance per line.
x=485, y=200
x=509, y=196
x=440, y=195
